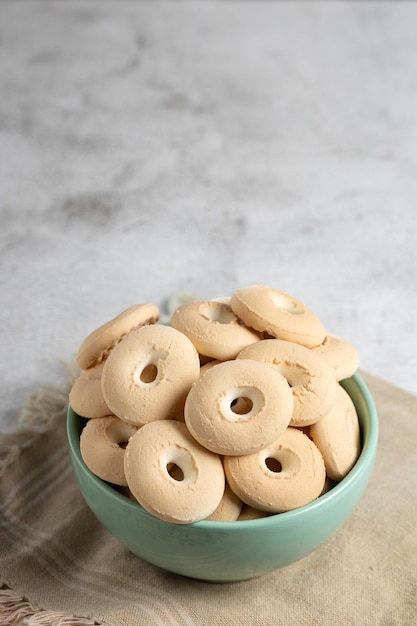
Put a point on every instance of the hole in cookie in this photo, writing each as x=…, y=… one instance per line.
x=242, y=403
x=241, y=406
x=287, y=304
x=180, y=465
x=118, y=432
x=149, y=373
x=217, y=312
x=150, y=368
x=273, y=465
x=175, y=472
x=294, y=373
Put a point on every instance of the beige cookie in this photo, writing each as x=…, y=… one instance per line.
x=283, y=476
x=86, y=397
x=213, y=328
x=278, y=314
x=238, y=407
x=338, y=436
x=341, y=355
x=148, y=375
x=229, y=508
x=96, y=347
x=250, y=513
x=102, y=446
x=171, y=475
x=311, y=379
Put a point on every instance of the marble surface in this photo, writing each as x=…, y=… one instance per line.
x=150, y=149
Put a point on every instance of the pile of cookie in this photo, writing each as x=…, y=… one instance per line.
x=232, y=411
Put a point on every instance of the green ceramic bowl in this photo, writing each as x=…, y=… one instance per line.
x=231, y=551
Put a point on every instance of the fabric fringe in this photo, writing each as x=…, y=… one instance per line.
x=44, y=408
x=16, y=610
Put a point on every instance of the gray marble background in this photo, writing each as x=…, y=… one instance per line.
x=150, y=149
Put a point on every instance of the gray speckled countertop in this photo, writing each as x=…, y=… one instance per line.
x=149, y=149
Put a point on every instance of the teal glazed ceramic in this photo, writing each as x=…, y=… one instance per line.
x=231, y=551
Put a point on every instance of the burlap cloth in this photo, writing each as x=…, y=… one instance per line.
x=59, y=566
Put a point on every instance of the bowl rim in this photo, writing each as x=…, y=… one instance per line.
x=366, y=457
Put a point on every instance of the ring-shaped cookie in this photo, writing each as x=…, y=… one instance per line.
x=208, y=366
x=341, y=355
x=337, y=436
x=229, y=508
x=86, y=396
x=97, y=345
x=171, y=475
x=238, y=407
x=213, y=328
x=249, y=513
x=283, y=476
x=277, y=314
x=311, y=379
x=148, y=375
x=102, y=446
